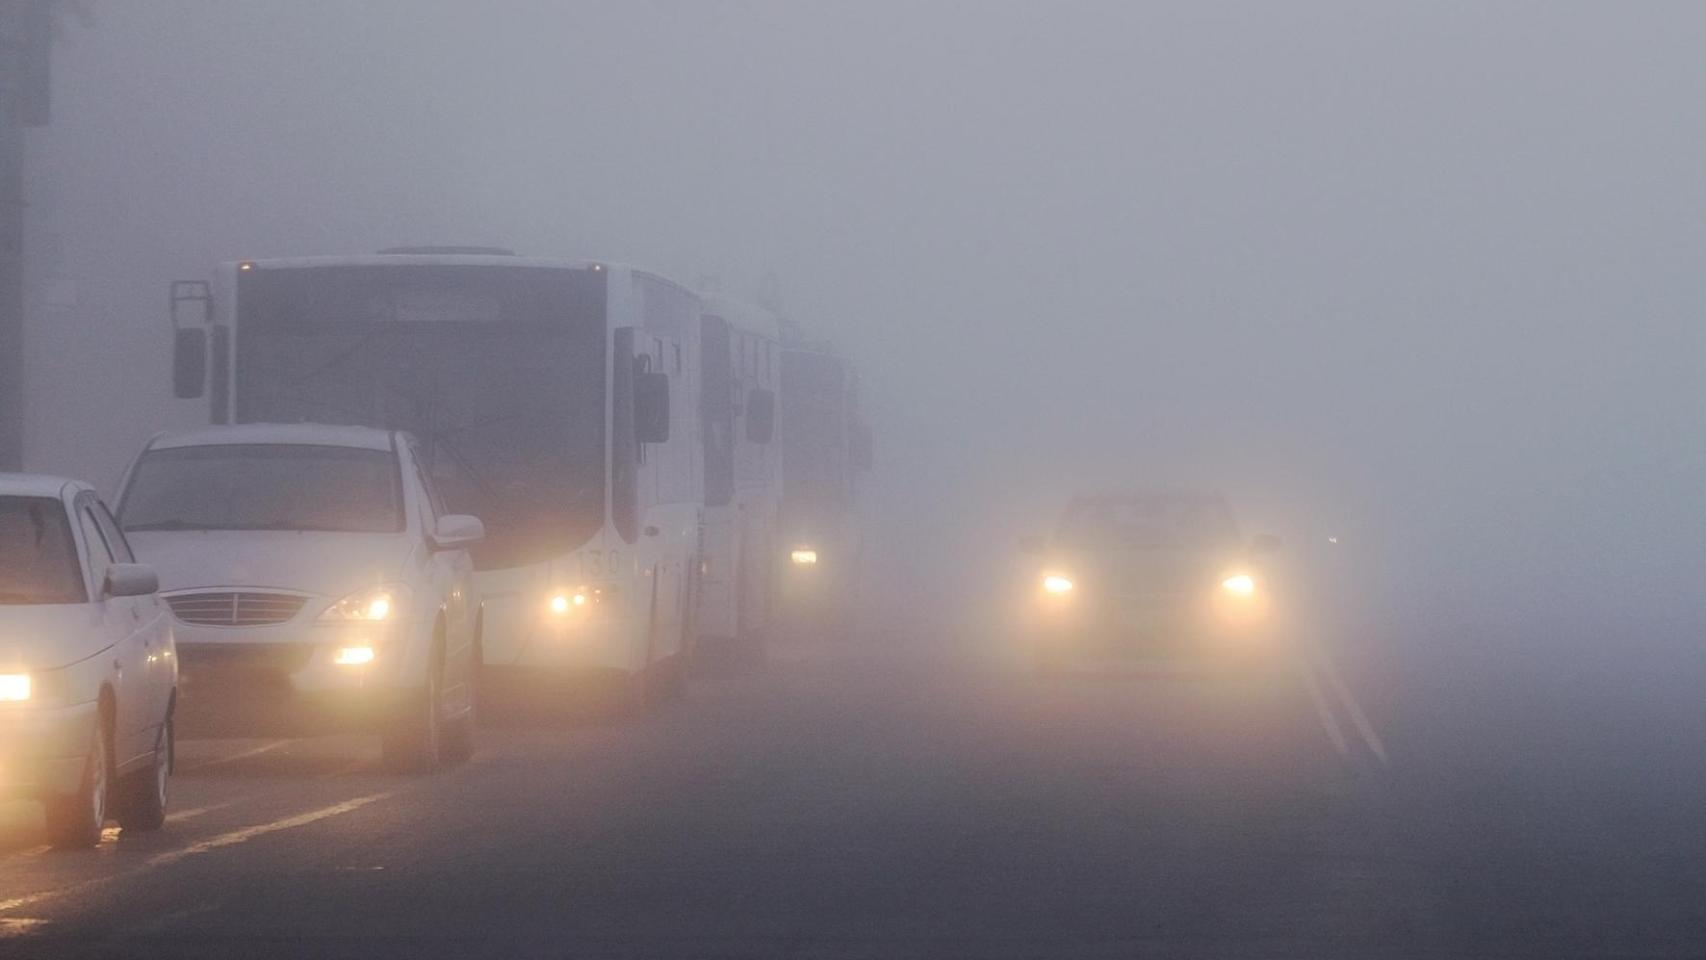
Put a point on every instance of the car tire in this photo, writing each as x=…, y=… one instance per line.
x=142, y=795
x=74, y=822
x=414, y=741
x=459, y=733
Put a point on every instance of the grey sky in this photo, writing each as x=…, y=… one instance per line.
x=1429, y=272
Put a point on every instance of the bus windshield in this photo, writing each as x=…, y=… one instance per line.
x=498, y=370
x=814, y=439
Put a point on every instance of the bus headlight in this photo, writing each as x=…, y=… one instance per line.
x=803, y=557
x=583, y=599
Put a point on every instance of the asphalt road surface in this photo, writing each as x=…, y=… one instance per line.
x=890, y=799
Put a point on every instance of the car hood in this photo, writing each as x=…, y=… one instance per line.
x=42, y=637
x=316, y=562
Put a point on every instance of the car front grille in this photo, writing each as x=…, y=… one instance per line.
x=235, y=609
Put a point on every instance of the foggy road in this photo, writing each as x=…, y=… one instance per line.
x=830, y=803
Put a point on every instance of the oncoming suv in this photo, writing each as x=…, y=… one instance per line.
x=1150, y=574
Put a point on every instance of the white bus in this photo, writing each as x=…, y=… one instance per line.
x=826, y=447
x=558, y=401
x=741, y=378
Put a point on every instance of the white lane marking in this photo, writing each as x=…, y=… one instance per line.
x=1354, y=709
x=7, y=906
x=244, y=755
x=1329, y=723
x=213, y=843
x=261, y=829
x=198, y=811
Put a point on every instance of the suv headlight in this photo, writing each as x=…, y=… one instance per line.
x=372, y=605
x=14, y=687
x=1058, y=585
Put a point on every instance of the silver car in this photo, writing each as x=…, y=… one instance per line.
x=88, y=669
x=317, y=584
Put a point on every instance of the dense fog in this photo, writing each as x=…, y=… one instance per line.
x=1425, y=279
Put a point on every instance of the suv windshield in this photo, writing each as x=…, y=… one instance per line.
x=265, y=487
x=38, y=559
x=1147, y=521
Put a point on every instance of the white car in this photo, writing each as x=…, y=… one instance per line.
x=88, y=672
x=317, y=583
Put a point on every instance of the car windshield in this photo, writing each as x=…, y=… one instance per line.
x=1147, y=522
x=38, y=558
x=265, y=487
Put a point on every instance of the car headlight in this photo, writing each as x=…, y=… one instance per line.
x=353, y=656
x=372, y=605
x=14, y=687
x=1239, y=584
x=803, y=557
x=1056, y=584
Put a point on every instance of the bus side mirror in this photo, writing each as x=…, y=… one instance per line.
x=761, y=415
x=189, y=362
x=651, y=407
x=860, y=450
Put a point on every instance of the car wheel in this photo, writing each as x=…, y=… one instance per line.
x=75, y=822
x=142, y=795
x=415, y=740
x=459, y=733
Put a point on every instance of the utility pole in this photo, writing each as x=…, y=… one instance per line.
x=26, y=37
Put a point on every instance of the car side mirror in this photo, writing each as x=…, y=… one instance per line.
x=1266, y=544
x=1031, y=544
x=455, y=530
x=651, y=407
x=189, y=362
x=760, y=415
x=130, y=580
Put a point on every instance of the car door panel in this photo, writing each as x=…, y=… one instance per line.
x=154, y=630
x=450, y=573
x=119, y=621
